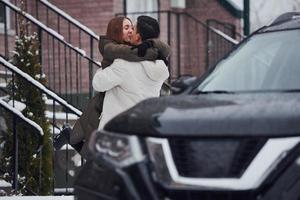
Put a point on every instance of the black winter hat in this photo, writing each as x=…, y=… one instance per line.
x=147, y=27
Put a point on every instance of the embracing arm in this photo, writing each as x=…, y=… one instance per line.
x=108, y=78
x=112, y=50
x=163, y=48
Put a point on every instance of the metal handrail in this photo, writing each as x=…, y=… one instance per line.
x=231, y=40
x=19, y=114
x=56, y=98
x=69, y=18
x=40, y=86
x=48, y=30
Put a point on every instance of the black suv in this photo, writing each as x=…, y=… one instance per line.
x=232, y=134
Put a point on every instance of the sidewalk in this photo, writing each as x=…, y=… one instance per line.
x=38, y=198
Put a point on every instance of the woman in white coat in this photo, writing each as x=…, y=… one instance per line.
x=127, y=83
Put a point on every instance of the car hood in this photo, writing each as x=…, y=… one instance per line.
x=207, y=115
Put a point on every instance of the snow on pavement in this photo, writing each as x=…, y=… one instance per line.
x=38, y=198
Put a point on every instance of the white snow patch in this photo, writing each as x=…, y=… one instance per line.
x=2, y=145
x=62, y=13
x=56, y=130
x=66, y=147
x=18, y=105
x=38, y=76
x=61, y=115
x=38, y=198
x=3, y=183
x=40, y=86
x=17, y=112
x=60, y=190
x=51, y=102
x=239, y=4
x=53, y=32
x=226, y=37
x=3, y=85
x=41, y=25
x=77, y=160
x=34, y=20
x=16, y=53
x=83, y=53
x=71, y=172
x=3, y=72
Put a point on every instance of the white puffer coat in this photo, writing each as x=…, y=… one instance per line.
x=128, y=83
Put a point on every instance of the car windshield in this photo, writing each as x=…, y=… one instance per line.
x=267, y=61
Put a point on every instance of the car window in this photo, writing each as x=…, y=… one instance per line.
x=268, y=61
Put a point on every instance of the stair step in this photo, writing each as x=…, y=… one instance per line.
x=62, y=197
x=56, y=130
x=5, y=188
x=5, y=73
x=49, y=106
x=5, y=76
x=3, y=84
x=60, y=118
x=4, y=183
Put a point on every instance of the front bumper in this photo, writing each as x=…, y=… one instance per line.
x=156, y=176
x=101, y=179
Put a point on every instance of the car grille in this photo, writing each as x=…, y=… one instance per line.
x=217, y=195
x=211, y=158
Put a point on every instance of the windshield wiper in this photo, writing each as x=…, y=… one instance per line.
x=215, y=92
x=290, y=90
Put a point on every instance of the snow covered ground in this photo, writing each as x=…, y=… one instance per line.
x=38, y=198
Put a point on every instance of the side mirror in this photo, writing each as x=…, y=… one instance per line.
x=182, y=83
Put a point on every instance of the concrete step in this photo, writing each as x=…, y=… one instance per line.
x=57, y=107
x=60, y=114
x=5, y=188
x=61, y=197
x=5, y=73
x=61, y=118
x=5, y=76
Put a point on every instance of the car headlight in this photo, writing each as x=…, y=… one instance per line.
x=119, y=150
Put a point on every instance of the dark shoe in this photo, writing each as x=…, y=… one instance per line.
x=62, y=138
x=78, y=146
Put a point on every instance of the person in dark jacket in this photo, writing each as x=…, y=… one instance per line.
x=110, y=49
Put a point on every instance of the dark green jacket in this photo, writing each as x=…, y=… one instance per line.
x=110, y=50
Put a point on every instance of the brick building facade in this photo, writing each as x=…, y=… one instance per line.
x=183, y=28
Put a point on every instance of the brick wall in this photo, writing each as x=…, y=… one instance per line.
x=210, y=9
x=194, y=41
x=95, y=15
x=71, y=73
x=188, y=40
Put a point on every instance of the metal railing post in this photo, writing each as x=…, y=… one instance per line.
x=207, y=46
x=40, y=49
x=91, y=68
x=37, y=9
x=169, y=42
x=178, y=45
x=15, y=142
x=5, y=33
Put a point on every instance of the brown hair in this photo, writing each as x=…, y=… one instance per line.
x=115, y=29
